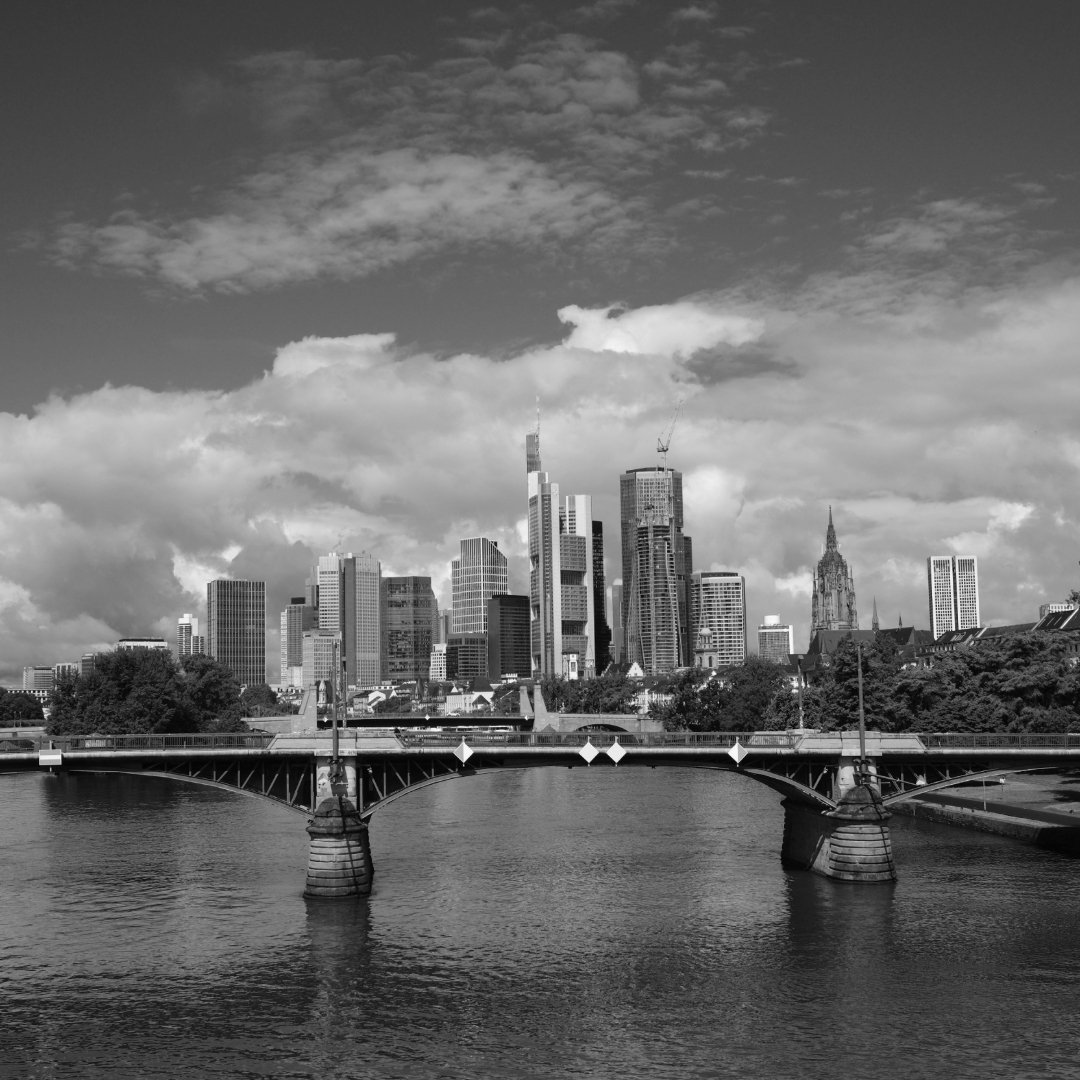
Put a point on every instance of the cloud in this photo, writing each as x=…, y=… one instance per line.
x=939, y=424
x=347, y=217
x=671, y=330
x=546, y=142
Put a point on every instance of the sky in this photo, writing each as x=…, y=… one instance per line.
x=279, y=279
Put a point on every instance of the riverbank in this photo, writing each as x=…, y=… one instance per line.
x=1041, y=808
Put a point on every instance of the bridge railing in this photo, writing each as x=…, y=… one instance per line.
x=599, y=738
x=999, y=741
x=200, y=741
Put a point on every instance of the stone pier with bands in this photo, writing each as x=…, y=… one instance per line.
x=849, y=843
x=339, y=851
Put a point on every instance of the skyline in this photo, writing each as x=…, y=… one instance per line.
x=283, y=285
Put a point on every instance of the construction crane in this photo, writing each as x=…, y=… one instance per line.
x=664, y=440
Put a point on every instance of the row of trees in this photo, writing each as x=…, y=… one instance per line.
x=1019, y=683
x=18, y=708
x=142, y=691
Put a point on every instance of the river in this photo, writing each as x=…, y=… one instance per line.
x=594, y=923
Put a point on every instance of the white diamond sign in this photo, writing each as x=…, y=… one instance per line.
x=463, y=752
x=616, y=752
x=588, y=752
x=738, y=752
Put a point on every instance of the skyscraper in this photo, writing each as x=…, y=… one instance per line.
x=833, y=606
x=298, y=617
x=718, y=604
x=188, y=639
x=509, y=637
x=776, y=640
x=953, y=587
x=408, y=619
x=350, y=603
x=478, y=573
x=236, y=627
x=562, y=581
x=618, y=635
x=657, y=562
x=602, y=634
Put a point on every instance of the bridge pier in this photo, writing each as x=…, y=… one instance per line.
x=339, y=852
x=849, y=843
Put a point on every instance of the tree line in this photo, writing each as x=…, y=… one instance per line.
x=1016, y=683
x=17, y=707
x=136, y=691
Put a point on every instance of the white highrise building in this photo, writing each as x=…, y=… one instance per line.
x=189, y=642
x=718, y=608
x=297, y=618
x=953, y=586
x=775, y=640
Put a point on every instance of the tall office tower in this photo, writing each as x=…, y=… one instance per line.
x=657, y=564
x=350, y=604
x=408, y=618
x=562, y=593
x=953, y=584
x=317, y=656
x=297, y=617
x=576, y=591
x=599, y=587
x=775, y=640
x=509, y=637
x=478, y=573
x=618, y=634
x=833, y=606
x=189, y=642
x=545, y=574
x=718, y=600
x=236, y=627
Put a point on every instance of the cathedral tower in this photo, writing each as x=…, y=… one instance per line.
x=834, y=589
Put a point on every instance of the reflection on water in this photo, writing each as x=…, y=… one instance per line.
x=614, y=923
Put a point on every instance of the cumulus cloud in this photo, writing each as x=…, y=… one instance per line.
x=672, y=330
x=122, y=502
x=545, y=141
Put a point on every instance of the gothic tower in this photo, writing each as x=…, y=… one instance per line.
x=834, y=589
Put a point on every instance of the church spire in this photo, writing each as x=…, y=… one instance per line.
x=874, y=625
x=833, y=604
x=830, y=534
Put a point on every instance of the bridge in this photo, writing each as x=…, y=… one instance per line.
x=836, y=787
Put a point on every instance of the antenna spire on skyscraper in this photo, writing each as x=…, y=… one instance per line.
x=532, y=444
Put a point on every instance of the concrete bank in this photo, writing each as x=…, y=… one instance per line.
x=1041, y=808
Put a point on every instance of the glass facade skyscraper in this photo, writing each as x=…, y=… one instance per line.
x=657, y=563
x=478, y=573
x=236, y=627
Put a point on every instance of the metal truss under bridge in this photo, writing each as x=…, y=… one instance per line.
x=800, y=765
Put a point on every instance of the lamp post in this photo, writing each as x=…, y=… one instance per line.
x=338, y=781
x=862, y=717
